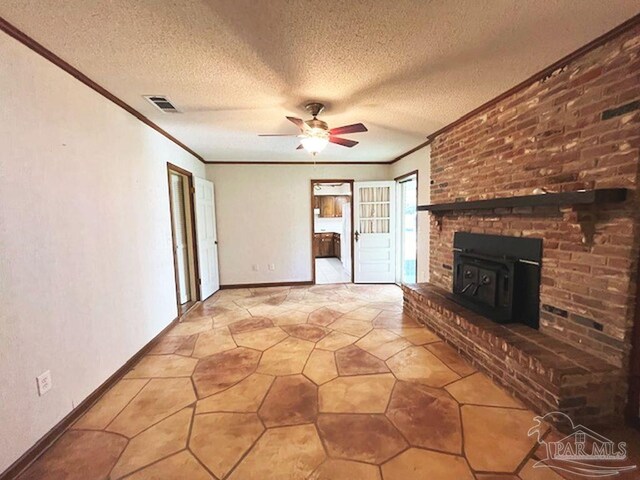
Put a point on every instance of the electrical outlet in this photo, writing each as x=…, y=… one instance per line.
x=256, y=267
x=44, y=382
x=272, y=267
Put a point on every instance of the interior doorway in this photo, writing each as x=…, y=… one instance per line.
x=181, y=206
x=331, y=237
x=407, y=253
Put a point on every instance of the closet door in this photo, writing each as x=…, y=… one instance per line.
x=207, y=237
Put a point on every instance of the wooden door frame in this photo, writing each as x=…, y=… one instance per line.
x=313, y=258
x=194, y=244
x=398, y=180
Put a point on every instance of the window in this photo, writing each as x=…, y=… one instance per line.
x=408, y=228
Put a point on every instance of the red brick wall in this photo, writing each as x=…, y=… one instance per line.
x=552, y=134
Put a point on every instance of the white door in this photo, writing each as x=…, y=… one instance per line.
x=207, y=237
x=180, y=236
x=374, y=232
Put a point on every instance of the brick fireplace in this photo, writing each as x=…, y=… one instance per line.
x=577, y=128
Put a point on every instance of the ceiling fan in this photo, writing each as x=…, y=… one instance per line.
x=315, y=134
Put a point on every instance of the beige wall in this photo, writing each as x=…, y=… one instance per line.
x=263, y=217
x=419, y=161
x=86, y=272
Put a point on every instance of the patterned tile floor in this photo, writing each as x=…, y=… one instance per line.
x=322, y=383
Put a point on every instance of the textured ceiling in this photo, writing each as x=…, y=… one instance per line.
x=235, y=68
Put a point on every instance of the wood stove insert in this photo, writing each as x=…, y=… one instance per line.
x=498, y=276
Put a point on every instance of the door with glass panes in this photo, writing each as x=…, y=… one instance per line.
x=374, y=232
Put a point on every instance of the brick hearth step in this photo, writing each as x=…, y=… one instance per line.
x=543, y=372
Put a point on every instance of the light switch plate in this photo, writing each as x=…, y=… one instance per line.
x=44, y=382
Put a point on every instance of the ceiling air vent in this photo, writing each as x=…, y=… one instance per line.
x=162, y=103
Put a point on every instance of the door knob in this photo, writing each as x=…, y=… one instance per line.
x=357, y=235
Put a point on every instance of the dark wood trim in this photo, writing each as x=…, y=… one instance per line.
x=409, y=152
x=399, y=180
x=592, y=45
x=407, y=175
x=261, y=285
x=31, y=455
x=313, y=260
x=194, y=236
x=180, y=170
x=194, y=244
x=187, y=307
x=311, y=163
x=582, y=197
x=29, y=42
x=191, y=307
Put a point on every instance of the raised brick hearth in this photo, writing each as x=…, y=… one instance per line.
x=576, y=128
x=541, y=371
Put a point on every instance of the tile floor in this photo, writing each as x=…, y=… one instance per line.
x=322, y=383
x=330, y=270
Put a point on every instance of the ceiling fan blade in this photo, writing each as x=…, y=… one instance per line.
x=298, y=122
x=277, y=134
x=300, y=147
x=355, y=128
x=343, y=141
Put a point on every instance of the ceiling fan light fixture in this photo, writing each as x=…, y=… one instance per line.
x=314, y=134
x=314, y=143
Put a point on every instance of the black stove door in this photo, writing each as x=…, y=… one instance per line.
x=477, y=281
x=488, y=279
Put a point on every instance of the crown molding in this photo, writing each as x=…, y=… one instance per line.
x=311, y=163
x=409, y=152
